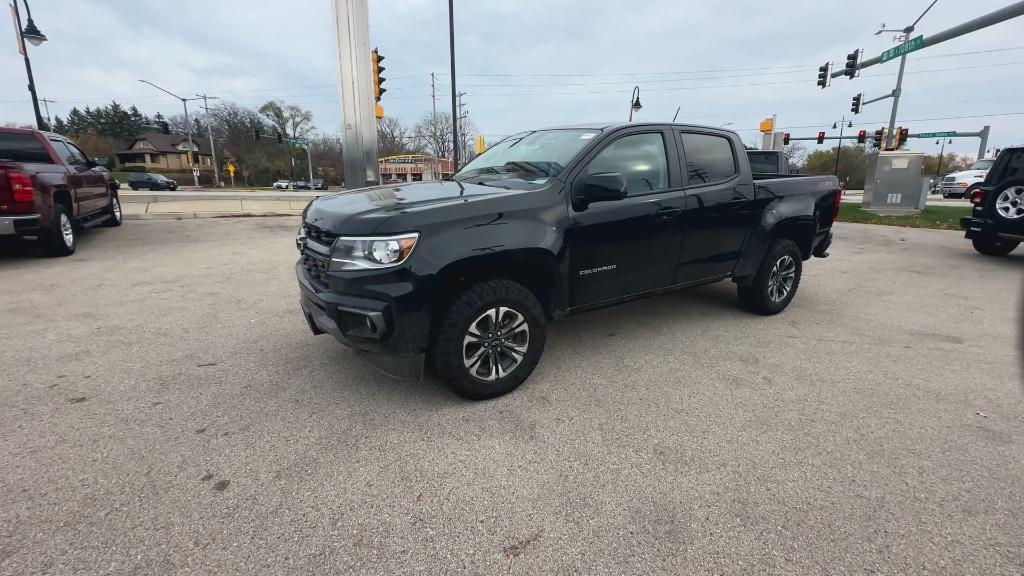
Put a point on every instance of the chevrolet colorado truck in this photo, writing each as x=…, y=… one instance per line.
x=50, y=190
x=996, y=224
x=462, y=275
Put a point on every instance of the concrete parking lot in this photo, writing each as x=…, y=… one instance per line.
x=165, y=410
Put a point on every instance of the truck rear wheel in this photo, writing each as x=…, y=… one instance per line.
x=60, y=237
x=777, y=279
x=489, y=340
x=994, y=246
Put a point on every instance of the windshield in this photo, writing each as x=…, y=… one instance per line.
x=982, y=165
x=533, y=158
x=158, y=177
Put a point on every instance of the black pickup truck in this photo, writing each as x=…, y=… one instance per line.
x=464, y=274
x=996, y=224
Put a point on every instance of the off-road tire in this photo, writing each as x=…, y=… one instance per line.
x=449, y=347
x=758, y=297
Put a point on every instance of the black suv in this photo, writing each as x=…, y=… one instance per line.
x=149, y=181
x=996, y=225
x=318, y=184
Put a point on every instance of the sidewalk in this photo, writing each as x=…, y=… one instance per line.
x=212, y=204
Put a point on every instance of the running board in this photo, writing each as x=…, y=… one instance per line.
x=94, y=221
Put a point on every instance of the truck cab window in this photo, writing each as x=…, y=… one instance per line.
x=709, y=158
x=66, y=153
x=640, y=158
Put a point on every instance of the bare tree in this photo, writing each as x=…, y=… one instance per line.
x=467, y=136
x=291, y=120
x=392, y=137
x=434, y=134
x=796, y=152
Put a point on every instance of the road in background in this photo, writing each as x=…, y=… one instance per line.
x=165, y=410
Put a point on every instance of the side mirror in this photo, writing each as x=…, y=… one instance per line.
x=605, y=187
x=102, y=161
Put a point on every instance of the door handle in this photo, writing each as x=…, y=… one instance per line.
x=667, y=213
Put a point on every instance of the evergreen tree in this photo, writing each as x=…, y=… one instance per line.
x=78, y=122
x=59, y=126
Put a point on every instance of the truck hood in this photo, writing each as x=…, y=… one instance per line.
x=363, y=210
x=968, y=175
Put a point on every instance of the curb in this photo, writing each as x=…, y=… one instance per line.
x=200, y=215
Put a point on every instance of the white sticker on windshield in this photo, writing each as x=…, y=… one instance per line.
x=588, y=135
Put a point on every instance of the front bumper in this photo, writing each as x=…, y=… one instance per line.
x=27, y=225
x=379, y=329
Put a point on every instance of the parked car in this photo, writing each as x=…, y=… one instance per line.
x=394, y=181
x=318, y=184
x=150, y=181
x=962, y=184
x=282, y=185
x=464, y=274
x=300, y=185
x=996, y=224
x=49, y=190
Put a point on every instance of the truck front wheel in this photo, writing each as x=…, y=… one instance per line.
x=489, y=340
x=777, y=279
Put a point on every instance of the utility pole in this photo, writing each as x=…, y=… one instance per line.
x=355, y=85
x=455, y=112
x=433, y=97
x=209, y=130
x=46, y=104
x=459, y=131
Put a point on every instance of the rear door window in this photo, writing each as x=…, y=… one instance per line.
x=709, y=158
x=23, y=148
x=1014, y=165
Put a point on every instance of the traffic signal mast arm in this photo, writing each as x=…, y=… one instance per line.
x=1012, y=11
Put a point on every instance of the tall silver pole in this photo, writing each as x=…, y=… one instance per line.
x=309, y=157
x=359, y=151
x=895, y=101
x=188, y=130
x=984, y=142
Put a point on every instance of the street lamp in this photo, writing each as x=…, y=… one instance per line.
x=188, y=124
x=635, y=106
x=34, y=37
x=841, y=124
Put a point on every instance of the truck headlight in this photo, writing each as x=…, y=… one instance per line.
x=372, y=252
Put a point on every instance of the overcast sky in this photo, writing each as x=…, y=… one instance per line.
x=534, y=63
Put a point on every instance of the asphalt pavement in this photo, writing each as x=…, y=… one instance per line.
x=165, y=410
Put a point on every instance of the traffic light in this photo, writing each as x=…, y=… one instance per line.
x=280, y=138
x=879, y=138
x=164, y=127
x=256, y=132
x=785, y=138
x=378, y=90
x=862, y=136
x=378, y=111
x=850, y=70
x=823, y=76
x=856, y=105
x=900, y=138
x=821, y=137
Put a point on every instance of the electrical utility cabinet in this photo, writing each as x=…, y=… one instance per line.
x=893, y=182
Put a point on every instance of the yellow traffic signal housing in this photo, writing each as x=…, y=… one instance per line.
x=378, y=111
x=378, y=90
x=767, y=125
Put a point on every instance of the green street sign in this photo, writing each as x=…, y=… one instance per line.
x=905, y=48
x=297, y=141
x=936, y=134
